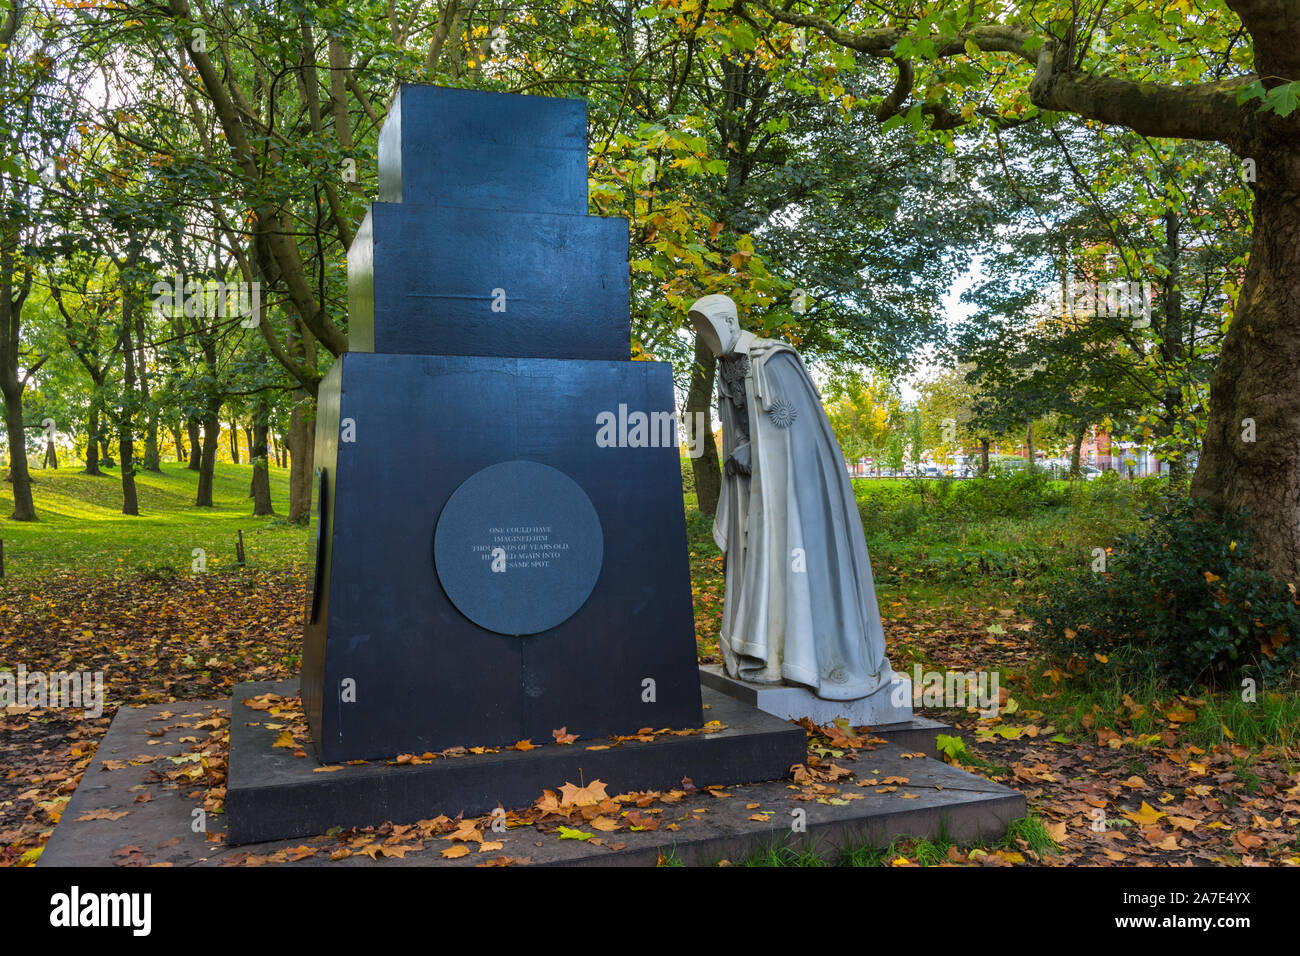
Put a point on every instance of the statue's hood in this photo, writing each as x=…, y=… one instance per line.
x=714, y=317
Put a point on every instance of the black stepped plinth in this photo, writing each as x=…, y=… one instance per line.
x=457, y=281
x=486, y=193
x=426, y=677
x=481, y=243
x=273, y=795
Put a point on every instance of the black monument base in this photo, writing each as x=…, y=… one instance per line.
x=105, y=823
x=271, y=795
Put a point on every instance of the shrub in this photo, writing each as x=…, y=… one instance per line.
x=1178, y=598
x=1011, y=493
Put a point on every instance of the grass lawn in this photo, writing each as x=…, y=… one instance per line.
x=81, y=525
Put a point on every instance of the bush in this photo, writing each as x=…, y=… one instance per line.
x=1178, y=598
x=1011, y=493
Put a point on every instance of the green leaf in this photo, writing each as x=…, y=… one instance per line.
x=569, y=834
x=950, y=746
x=1282, y=99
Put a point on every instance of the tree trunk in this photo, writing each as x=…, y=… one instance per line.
x=1077, y=450
x=24, y=506
x=257, y=447
x=699, y=401
x=181, y=453
x=105, y=450
x=151, y=457
x=1171, y=348
x=1250, y=458
x=302, y=451
x=92, y=442
x=1029, y=447
x=984, y=457
x=234, y=440
x=125, y=422
x=208, y=462
x=192, y=426
x=130, y=503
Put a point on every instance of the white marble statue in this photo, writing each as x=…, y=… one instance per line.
x=800, y=604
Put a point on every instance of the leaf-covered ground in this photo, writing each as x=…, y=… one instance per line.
x=1126, y=787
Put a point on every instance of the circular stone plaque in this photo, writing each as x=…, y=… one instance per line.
x=518, y=547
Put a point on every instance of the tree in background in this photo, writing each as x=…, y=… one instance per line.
x=1219, y=73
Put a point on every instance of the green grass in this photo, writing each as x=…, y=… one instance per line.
x=1273, y=717
x=925, y=851
x=929, y=537
x=81, y=525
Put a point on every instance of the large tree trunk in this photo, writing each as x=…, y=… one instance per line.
x=192, y=427
x=984, y=457
x=208, y=462
x=1257, y=469
x=1030, y=461
x=24, y=506
x=105, y=450
x=302, y=451
x=130, y=503
x=699, y=401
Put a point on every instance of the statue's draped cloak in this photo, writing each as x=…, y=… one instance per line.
x=818, y=626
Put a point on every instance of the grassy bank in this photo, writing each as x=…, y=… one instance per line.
x=81, y=525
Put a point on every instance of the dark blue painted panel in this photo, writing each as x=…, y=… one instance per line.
x=426, y=676
x=501, y=151
x=452, y=281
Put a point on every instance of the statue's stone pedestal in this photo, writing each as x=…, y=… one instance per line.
x=795, y=703
x=271, y=795
x=940, y=798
